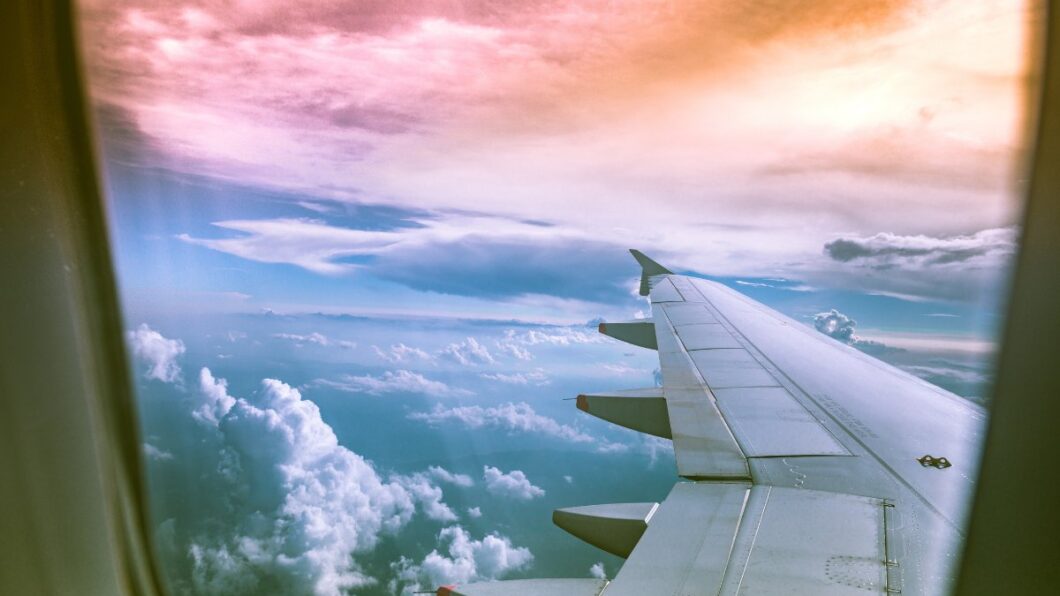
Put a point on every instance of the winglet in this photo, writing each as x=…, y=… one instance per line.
x=648, y=269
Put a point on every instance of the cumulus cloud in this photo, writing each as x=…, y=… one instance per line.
x=460, y=560
x=290, y=510
x=474, y=512
x=559, y=336
x=512, y=417
x=397, y=381
x=513, y=484
x=215, y=399
x=534, y=377
x=401, y=353
x=427, y=496
x=159, y=353
x=597, y=570
x=441, y=474
x=513, y=349
x=299, y=503
x=467, y=353
x=516, y=343
x=838, y=326
x=315, y=338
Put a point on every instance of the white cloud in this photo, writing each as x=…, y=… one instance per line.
x=535, y=377
x=838, y=326
x=401, y=353
x=155, y=454
x=568, y=479
x=474, y=512
x=464, y=561
x=427, y=495
x=443, y=475
x=597, y=570
x=621, y=369
x=398, y=381
x=560, y=336
x=159, y=353
x=315, y=338
x=216, y=401
x=513, y=484
x=301, y=504
x=513, y=349
x=467, y=353
x=656, y=447
x=512, y=417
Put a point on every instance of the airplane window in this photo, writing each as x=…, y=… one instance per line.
x=369, y=252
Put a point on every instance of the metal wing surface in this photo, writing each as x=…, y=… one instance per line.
x=808, y=466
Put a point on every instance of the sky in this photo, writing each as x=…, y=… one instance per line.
x=362, y=246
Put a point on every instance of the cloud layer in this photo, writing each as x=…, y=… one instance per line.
x=786, y=127
x=393, y=381
x=512, y=417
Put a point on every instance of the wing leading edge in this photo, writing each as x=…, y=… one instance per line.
x=802, y=460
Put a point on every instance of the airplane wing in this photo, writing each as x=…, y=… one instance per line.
x=808, y=466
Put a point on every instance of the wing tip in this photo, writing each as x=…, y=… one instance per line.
x=649, y=265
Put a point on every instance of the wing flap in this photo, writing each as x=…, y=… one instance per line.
x=735, y=539
x=528, y=587
x=671, y=559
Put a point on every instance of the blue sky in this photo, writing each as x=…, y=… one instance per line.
x=362, y=254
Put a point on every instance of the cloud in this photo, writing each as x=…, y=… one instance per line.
x=960, y=268
x=531, y=260
x=512, y=417
x=515, y=343
x=427, y=496
x=884, y=251
x=290, y=509
x=597, y=570
x=397, y=381
x=970, y=377
x=560, y=336
x=513, y=349
x=464, y=561
x=513, y=484
x=491, y=257
x=838, y=326
x=298, y=504
x=159, y=353
x=444, y=475
x=155, y=454
x=401, y=353
x=215, y=399
x=535, y=377
x=467, y=353
x=314, y=338
x=474, y=512
x=621, y=369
